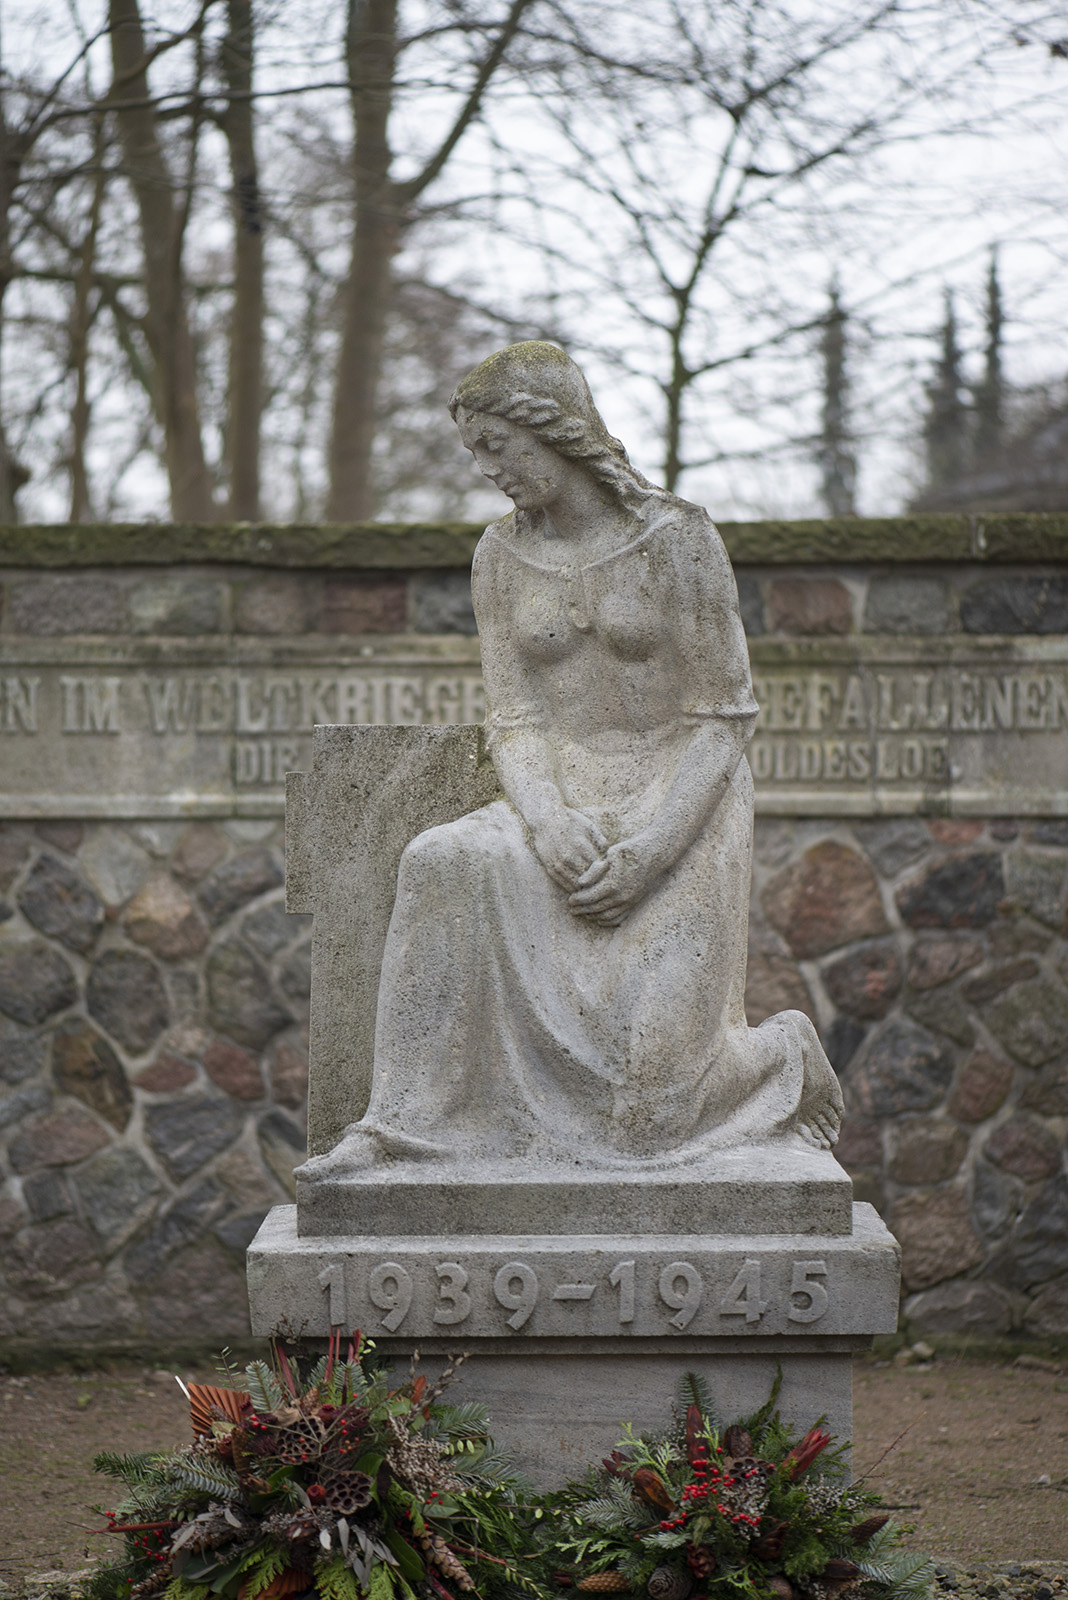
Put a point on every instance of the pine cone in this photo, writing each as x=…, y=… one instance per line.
x=669, y=1583
x=604, y=1583
x=437, y=1551
x=737, y=1442
x=154, y=1584
x=701, y=1560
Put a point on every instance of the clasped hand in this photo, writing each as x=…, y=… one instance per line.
x=604, y=882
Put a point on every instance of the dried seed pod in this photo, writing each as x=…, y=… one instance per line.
x=652, y=1489
x=781, y=1586
x=669, y=1583
x=863, y=1531
x=603, y=1583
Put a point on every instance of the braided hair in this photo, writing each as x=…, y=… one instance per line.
x=537, y=385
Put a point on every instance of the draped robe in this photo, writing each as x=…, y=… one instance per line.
x=508, y=1026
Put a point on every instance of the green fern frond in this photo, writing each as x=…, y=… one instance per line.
x=335, y=1580
x=179, y=1589
x=266, y=1563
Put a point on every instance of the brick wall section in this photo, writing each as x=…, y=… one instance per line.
x=153, y=991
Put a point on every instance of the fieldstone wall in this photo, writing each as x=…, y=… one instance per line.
x=153, y=1063
x=153, y=991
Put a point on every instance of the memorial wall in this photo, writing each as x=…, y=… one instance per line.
x=910, y=884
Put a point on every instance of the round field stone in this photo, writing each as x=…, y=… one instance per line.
x=772, y=984
x=241, y=998
x=956, y=892
x=59, y=902
x=163, y=918
x=893, y=845
x=85, y=1065
x=865, y=982
x=22, y=1054
x=1039, y=884
x=201, y=847
x=1038, y=1249
x=960, y=1306
x=185, y=1220
x=933, y=962
x=53, y=1255
x=167, y=1074
x=1029, y=1020
x=981, y=1087
x=112, y=1188
x=441, y=603
x=1048, y=1092
x=186, y=1133
x=1026, y=1148
x=57, y=1139
x=126, y=997
x=926, y=1150
x=937, y=1239
x=35, y=983
x=826, y=899
x=236, y=1071
x=903, y=1068
x=238, y=881
x=289, y=1076
x=995, y=1200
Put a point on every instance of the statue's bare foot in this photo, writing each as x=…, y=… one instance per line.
x=819, y=1114
x=356, y=1150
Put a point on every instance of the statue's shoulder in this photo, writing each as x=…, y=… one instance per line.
x=493, y=542
x=691, y=535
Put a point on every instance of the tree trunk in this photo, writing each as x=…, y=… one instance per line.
x=370, y=47
x=246, y=318
x=167, y=323
x=81, y=321
x=12, y=155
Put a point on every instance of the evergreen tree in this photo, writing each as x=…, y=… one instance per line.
x=946, y=428
x=989, y=394
x=838, y=466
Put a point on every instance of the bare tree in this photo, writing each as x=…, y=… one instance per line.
x=163, y=203
x=383, y=209
x=246, y=318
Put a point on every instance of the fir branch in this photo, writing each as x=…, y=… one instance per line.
x=263, y=1387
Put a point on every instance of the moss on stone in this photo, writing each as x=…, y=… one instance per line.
x=1009, y=537
x=292, y=545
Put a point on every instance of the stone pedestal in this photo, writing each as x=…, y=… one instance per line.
x=581, y=1295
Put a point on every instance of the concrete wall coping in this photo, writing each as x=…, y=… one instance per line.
x=1017, y=537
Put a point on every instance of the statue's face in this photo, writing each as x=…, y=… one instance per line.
x=529, y=472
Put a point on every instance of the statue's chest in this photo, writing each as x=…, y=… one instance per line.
x=612, y=609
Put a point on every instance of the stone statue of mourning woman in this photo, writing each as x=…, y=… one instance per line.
x=564, y=973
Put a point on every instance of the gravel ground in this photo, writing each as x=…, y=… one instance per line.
x=972, y=1454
